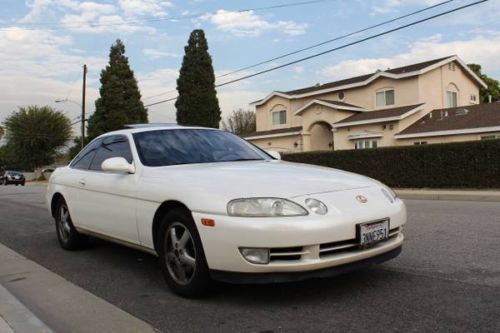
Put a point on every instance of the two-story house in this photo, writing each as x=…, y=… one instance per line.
x=384, y=108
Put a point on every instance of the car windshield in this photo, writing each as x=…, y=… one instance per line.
x=188, y=146
x=14, y=173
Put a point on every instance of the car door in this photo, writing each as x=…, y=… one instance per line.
x=73, y=182
x=107, y=197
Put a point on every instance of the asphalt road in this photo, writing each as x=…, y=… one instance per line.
x=447, y=278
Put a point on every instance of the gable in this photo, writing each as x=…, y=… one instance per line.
x=363, y=80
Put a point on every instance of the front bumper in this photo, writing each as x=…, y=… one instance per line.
x=263, y=278
x=304, y=243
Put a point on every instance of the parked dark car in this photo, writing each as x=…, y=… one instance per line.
x=13, y=177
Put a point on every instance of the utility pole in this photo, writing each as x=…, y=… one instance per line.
x=83, y=104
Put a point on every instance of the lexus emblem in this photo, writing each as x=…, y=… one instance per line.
x=361, y=199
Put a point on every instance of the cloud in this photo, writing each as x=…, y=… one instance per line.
x=38, y=8
x=43, y=76
x=481, y=50
x=249, y=24
x=97, y=17
x=92, y=17
x=133, y=8
x=157, y=54
x=392, y=6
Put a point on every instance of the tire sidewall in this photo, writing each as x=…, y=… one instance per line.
x=74, y=240
x=200, y=283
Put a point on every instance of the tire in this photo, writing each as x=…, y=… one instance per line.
x=68, y=237
x=181, y=256
x=5, y=182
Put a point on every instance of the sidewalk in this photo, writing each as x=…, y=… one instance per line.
x=34, y=299
x=449, y=194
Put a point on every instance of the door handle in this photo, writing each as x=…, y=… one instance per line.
x=82, y=182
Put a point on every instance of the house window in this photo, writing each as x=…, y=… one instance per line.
x=279, y=117
x=420, y=143
x=451, y=99
x=473, y=98
x=384, y=97
x=365, y=144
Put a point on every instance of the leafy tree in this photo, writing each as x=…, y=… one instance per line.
x=76, y=147
x=2, y=132
x=240, y=122
x=197, y=103
x=120, y=99
x=493, y=85
x=36, y=134
x=7, y=156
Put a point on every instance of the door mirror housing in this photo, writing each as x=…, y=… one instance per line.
x=274, y=154
x=117, y=164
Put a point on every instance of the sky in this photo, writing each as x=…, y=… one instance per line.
x=44, y=44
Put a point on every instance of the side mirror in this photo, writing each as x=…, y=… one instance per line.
x=118, y=164
x=274, y=154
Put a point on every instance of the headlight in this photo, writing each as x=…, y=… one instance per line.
x=389, y=194
x=316, y=206
x=264, y=207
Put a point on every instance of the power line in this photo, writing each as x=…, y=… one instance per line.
x=174, y=18
x=318, y=44
x=337, y=38
x=339, y=47
x=352, y=43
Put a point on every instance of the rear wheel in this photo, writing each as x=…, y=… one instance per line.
x=69, y=238
x=181, y=255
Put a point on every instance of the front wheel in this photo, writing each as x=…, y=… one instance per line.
x=69, y=238
x=181, y=255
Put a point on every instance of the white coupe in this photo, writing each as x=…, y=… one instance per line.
x=212, y=206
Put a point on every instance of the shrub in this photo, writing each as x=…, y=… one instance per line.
x=473, y=164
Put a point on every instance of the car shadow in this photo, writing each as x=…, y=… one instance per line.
x=345, y=286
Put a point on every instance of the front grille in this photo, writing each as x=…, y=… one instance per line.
x=327, y=249
x=286, y=253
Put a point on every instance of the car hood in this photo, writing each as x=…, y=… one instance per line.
x=256, y=179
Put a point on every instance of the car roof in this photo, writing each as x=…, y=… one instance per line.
x=139, y=128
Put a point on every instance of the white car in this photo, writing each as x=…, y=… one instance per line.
x=212, y=206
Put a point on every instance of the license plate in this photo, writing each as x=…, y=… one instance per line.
x=16, y=177
x=373, y=232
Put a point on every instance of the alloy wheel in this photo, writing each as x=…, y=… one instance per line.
x=180, y=253
x=64, y=227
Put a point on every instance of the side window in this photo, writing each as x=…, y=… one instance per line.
x=112, y=146
x=84, y=158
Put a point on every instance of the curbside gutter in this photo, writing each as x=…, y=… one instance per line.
x=449, y=194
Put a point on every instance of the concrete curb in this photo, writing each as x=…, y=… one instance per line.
x=454, y=195
x=16, y=317
x=61, y=305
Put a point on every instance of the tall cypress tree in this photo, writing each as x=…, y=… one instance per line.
x=197, y=103
x=120, y=99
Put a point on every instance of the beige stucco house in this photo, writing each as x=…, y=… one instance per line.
x=376, y=110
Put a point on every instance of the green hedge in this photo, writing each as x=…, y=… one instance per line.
x=473, y=164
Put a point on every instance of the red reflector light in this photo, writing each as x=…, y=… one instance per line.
x=208, y=222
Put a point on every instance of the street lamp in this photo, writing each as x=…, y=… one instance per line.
x=67, y=101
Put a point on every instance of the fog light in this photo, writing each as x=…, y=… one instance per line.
x=255, y=256
x=316, y=206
